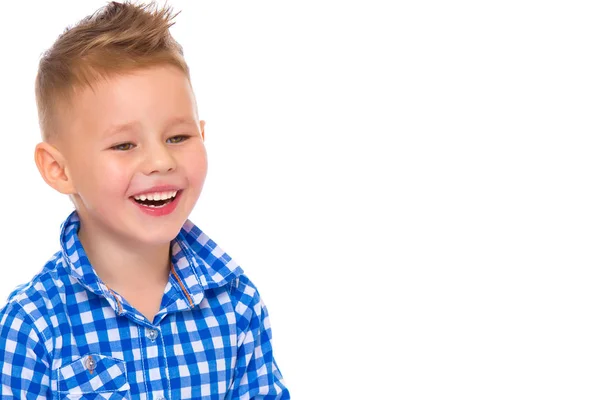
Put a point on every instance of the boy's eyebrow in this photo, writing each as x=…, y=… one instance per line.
x=114, y=129
x=130, y=126
x=181, y=121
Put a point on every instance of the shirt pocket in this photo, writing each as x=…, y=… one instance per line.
x=93, y=376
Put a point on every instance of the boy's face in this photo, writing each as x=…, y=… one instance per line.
x=132, y=135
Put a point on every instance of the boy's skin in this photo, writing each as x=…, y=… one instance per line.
x=101, y=167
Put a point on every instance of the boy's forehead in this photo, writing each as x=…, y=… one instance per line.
x=156, y=77
x=116, y=101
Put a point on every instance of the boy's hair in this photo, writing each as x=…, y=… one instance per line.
x=116, y=39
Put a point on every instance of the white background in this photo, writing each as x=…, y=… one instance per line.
x=413, y=186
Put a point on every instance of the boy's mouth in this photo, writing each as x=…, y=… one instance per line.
x=156, y=200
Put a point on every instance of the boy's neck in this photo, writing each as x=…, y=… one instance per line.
x=126, y=267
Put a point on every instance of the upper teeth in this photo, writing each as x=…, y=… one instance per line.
x=156, y=196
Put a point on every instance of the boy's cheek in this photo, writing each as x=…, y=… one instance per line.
x=198, y=162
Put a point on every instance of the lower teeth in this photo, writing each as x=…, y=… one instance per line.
x=156, y=206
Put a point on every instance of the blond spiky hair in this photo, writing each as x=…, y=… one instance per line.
x=117, y=38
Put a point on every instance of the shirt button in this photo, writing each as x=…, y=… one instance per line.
x=90, y=364
x=151, y=334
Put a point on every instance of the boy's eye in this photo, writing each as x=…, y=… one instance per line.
x=123, y=146
x=178, y=139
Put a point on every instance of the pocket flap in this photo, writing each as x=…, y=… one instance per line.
x=93, y=373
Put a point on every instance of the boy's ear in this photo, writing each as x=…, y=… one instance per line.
x=202, y=123
x=51, y=164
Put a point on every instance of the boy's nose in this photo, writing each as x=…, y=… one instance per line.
x=158, y=159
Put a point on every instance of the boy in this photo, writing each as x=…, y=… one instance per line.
x=138, y=303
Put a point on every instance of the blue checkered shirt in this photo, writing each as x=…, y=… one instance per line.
x=65, y=334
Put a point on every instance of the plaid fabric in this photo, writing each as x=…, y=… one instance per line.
x=66, y=335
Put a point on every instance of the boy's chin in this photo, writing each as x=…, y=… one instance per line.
x=159, y=237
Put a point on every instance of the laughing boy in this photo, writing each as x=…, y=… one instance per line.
x=138, y=302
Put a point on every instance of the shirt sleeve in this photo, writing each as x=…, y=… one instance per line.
x=24, y=367
x=256, y=373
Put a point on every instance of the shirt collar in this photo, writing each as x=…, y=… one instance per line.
x=198, y=262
